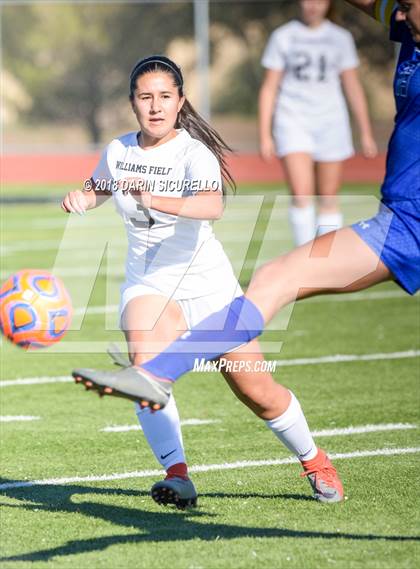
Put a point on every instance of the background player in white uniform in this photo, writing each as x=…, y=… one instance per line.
x=177, y=272
x=303, y=117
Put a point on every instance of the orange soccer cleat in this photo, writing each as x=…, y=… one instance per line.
x=323, y=478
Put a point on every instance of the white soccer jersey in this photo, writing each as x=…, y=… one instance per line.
x=312, y=60
x=179, y=256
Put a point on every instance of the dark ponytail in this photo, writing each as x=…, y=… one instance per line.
x=198, y=128
x=188, y=118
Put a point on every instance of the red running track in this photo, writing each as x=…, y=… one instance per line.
x=74, y=168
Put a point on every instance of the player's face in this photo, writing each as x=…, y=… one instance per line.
x=156, y=104
x=314, y=11
x=409, y=11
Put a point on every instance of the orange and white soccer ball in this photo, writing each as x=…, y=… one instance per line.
x=35, y=309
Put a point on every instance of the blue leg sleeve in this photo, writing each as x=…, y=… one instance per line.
x=237, y=323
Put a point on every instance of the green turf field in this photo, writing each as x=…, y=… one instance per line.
x=254, y=509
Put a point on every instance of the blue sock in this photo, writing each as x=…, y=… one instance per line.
x=237, y=323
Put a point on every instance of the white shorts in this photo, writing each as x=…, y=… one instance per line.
x=204, y=286
x=194, y=309
x=325, y=141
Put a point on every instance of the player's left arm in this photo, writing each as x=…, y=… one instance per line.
x=202, y=196
x=358, y=104
x=205, y=204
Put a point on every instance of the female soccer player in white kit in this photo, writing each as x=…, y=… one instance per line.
x=177, y=272
x=303, y=117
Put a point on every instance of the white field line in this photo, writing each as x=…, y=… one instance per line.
x=35, y=380
x=116, y=271
x=242, y=213
x=379, y=295
x=80, y=271
x=97, y=309
x=53, y=244
x=74, y=272
x=81, y=257
x=202, y=468
x=362, y=429
x=336, y=298
x=13, y=418
x=185, y=423
x=100, y=347
x=119, y=271
x=339, y=358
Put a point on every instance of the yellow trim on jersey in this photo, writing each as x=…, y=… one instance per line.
x=384, y=10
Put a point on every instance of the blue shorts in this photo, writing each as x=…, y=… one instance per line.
x=394, y=235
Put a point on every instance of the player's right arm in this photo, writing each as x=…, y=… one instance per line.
x=79, y=201
x=266, y=102
x=96, y=189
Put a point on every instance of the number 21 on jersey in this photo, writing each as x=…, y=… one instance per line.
x=308, y=67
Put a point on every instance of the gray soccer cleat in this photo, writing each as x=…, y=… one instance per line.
x=177, y=491
x=131, y=382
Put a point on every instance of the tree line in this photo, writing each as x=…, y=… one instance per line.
x=74, y=59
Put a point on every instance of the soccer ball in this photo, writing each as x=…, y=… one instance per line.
x=35, y=309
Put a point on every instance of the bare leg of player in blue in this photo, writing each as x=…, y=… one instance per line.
x=336, y=262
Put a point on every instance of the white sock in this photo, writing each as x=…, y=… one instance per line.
x=293, y=431
x=163, y=433
x=327, y=222
x=302, y=222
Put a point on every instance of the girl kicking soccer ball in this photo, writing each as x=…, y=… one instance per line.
x=177, y=273
x=384, y=247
